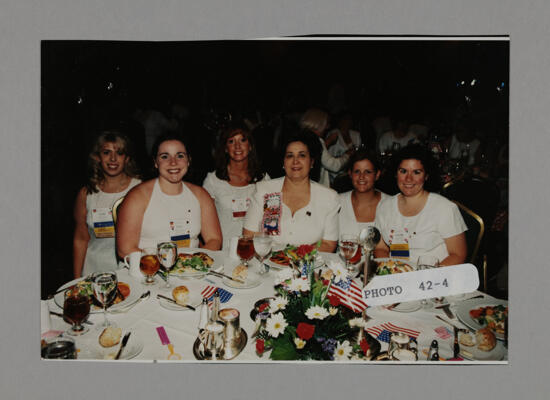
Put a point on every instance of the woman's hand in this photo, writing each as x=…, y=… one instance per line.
x=457, y=249
x=81, y=235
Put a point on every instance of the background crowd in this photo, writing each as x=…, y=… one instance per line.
x=450, y=98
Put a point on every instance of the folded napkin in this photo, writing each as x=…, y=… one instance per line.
x=443, y=332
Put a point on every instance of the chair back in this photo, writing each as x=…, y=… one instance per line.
x=116, y=204
x=474, y=234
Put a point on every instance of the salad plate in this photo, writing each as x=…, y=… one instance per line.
x=478, y=313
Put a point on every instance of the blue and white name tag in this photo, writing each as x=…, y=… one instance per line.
x=104, y=227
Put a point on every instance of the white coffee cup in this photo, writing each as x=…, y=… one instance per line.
x=131, y=261
x=233, y=248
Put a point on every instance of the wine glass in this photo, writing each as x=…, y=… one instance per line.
x=262, y=245
x=167, y=253
x=427, y=262
x=76, y=307
x=149, y=264
x=245, y=249
x=347, y=246
x=104, y=285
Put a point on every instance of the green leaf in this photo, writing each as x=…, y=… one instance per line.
x=283, y=349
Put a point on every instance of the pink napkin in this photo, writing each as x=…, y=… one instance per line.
x=443, y=332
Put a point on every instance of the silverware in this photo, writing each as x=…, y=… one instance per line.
x=448, y=311
x=123, y=345
x=453, y=325
x=456, y=346
x=225, y=276
x=131, y=305
x=61, y=315
x=160, y=296
x=391, y=307
x=475, y=297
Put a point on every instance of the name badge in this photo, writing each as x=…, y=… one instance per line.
x=104, y=227
x=271, y=221
x=179, y=232
x=239, y=207
x=399, y=243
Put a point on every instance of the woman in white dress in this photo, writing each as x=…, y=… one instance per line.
x=342, y=139
x=232, y=183
x=360, y=204
x=294, y=209
x=416, y=221
x=112, y=173
x=168, y=208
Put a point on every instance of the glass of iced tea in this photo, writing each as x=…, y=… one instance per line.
x=76, y=308
x=245, y=248
x=149, y=265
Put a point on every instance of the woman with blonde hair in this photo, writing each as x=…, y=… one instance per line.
x=112, y=173
x=316, y=121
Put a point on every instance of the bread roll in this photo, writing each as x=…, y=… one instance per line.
x=181, y=295
x=110, y=336
x=240, y=272
x=486, y=339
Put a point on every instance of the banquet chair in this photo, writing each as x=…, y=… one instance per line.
x=116, y=204
x=474, y=235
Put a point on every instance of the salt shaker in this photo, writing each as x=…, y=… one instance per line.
x=204, y=315
x=433, y=353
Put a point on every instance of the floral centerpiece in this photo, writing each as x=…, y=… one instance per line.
x=306, y=320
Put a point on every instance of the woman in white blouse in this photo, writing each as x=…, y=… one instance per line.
x=360, y=204
x=232, y=183
x=294, y=209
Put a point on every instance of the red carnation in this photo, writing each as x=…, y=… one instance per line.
x=260, y=346
x=334, y=301
x=305, y=331
x=262, y=307
x=364, y=345
x=304, y=249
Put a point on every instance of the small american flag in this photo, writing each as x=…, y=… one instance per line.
x=208, y=293
x=382, y=331
x=349, y=294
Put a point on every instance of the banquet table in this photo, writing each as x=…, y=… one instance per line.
x=182, y=326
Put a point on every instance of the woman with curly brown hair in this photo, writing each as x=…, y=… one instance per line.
x=112, y=173
x=232, y=183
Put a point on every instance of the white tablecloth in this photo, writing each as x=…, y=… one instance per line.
x=182, y=326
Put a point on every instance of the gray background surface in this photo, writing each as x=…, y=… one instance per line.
x=24, y=23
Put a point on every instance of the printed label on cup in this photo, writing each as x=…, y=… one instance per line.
x=424, y=284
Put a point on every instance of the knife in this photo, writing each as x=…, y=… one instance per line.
x=123, y=345
x=160, y=296
x=226, y=276
x=454, y=326
x=448, y=311
x=456, y=346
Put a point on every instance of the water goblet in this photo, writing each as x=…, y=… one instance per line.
x=167, y=253
x=104, y=285
x=262, y=246
x=347, y=246
x=76, y=307
x=149, y=264
x=245, y=249
x=427, y=262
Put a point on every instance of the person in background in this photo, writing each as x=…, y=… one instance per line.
x=112, y=172
x=167, y=208
x=342, y=139
x=399, y=136
x=294, y=209
x=358, y=206
x=463, y=144
x=417, y=221
x=232, y=183
x=316, y=121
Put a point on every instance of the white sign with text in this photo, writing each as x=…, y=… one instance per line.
x=424, y=284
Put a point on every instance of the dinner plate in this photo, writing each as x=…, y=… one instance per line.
x=216, y=266
x=318, y=263
x=408, y=306
x=497, y=354
x=463, y=312
x=135, y=293
x=408, y=262
x=252, y=281
x=132, y=349
x=195, y=300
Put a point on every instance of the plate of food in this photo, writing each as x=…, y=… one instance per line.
x=480, y=313
x=193, y=264
x=387, y=266
x=183, y=296
x=243, y=273
x=127, y=293
x=282, y=258
x=107, y=344
x=481, y=346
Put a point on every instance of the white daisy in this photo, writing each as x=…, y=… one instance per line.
x=276, y=325
x=299, y=343
x=283, y=275
x=342, y=351
x=357, y=323
x=278, y=303
x=299, y=285
x=317, y=312
x=338, y=270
